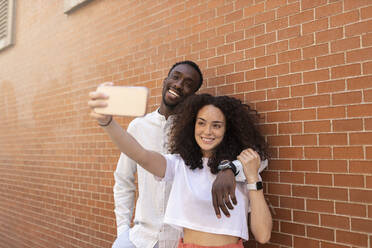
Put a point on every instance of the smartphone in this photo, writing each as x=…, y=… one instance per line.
x=124, y=100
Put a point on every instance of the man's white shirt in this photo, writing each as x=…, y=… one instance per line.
x=148, y=229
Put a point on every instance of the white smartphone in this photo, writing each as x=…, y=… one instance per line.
x=124, y=100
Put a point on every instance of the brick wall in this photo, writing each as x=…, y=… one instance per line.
x=305, y=65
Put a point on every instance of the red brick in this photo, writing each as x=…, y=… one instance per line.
x=244, y=23
x=254, y=10
x=320, y=233
x=292, y=127
x=289, y=56
x=264, y=17
x=292, y=228
x=292, y=203
x=367, y=95
x=316, y=76
x=244, y=44
x=358, y=28
x=235, y=78
x=301, y=17
x=254, y=31
x=362, y=138
x=366, y=12
x=348, y=125
x=288, y=9
x=331, y=86
x=292, y=177
x=280, y=238
x=266, y=106
x=350, y=152
x=333, y=139
x=265, y=39
x=363, y=167
x=350, y=4
x=351, y=209
x=345, y=44
x=306, y=217
x=278, y=93
x=367, y=68
x=304, y=114
x=359, y=83
x=289, y=32
x=255, y=74
x=303, y=65
x=303, y=90
x=367, y=40
x=277, y=47
x=317, y=126
x=346, y=71
x=359, y=110
x=277, y=24
x=235, y=36
x=275, y=4
x=328, y=10
x=291, y=79
x=304, y=165
x=225, y=49
x=278, y=69
x=333, y=166
x=305, y=191
x=347, y=98
x=255, y=52
x=225, y=69
x=281, y=140
x=309, y=4
x=361, y=225
x=279, y=189
x=302, y=41
x=329, y=35
x=318, y=152
x=348, y=180
x=244, y=65
x=266, y=60
x=316, y=101
x=335, y=221
x=314, y=26
x=278, y=116
x=330, y=60
x=351, y=238
x=359, y=55
x=315, y=51
x=305, y=242
x=256, y=96
x=364, y=196
x=320, y=206
x=234, y=16
x=292, y=103
x=290, y=152
x=344, y=18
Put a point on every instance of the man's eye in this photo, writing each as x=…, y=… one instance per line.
x=175, y=77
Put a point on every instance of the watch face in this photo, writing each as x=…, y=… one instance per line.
x=259, y=185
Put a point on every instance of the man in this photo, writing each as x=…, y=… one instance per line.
x=183, y=80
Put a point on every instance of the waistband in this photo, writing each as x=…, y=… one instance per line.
x=183, y=245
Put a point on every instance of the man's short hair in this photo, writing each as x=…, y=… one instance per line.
x=193, y=65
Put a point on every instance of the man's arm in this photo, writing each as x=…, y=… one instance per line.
x=223, y=188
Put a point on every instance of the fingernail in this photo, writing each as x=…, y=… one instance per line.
x=219, y=216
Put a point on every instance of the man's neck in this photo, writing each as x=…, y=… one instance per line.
x=165, y=110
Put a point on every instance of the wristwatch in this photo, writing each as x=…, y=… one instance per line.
x=255, y=186
x=226, y=164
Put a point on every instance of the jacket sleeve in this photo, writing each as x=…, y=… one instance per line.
x=124, y=190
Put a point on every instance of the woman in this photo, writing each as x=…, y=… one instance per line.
x=206, y=130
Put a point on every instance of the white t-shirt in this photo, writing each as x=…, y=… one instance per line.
x=190, y=201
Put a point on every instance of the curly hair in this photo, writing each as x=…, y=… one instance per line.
x=241, y=131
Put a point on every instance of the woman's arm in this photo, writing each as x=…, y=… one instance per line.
x=261, y=221
x=151, y=161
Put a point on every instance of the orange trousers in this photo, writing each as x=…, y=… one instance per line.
x=182, y=245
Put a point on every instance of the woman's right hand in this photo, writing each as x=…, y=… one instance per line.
x=97, y=100
x=251, y=161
